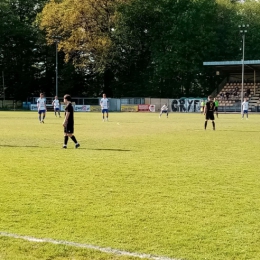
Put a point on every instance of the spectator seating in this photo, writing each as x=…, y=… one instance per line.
x=231, y=93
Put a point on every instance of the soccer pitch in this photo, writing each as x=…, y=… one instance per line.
x=139, y=184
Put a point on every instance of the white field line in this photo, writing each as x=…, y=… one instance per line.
x=107, y=250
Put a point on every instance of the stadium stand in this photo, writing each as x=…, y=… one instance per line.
x=230, y=96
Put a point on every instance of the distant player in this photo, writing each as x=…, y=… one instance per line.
x=41, y=105
x=164, y=109
x=202, y=106
x=68, y=123
x=209, y=112
x=216, y=106
x=245, y=108
x=56, y=106
x=104, y=103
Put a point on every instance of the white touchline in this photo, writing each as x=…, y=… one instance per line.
x=98, y=248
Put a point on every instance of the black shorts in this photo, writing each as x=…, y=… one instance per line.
x=216, y=109
x=210, y=115
x=69, y=129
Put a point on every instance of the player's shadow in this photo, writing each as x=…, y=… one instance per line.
x=243, y=131
x=110, y=149
x=25, y=146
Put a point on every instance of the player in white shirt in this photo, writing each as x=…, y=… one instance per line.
x=56, y=106
x=41, y=105
x=104, y=103
x=245, y=108
x=164, y=109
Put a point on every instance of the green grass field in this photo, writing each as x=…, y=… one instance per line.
x=138, y=183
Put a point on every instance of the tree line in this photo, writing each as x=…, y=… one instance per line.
x=126, y=48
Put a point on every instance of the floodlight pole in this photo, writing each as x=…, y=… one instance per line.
x=243, y=67
x=56, y=39
x=56, y=68
x=243, y=31
x=3, y=76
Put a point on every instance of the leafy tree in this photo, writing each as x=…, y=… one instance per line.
x=16, y=45
x=171, y=39
x=123, y=47
x=249, y=15
x=166, y=43
x=27, y=61
x=85, y=30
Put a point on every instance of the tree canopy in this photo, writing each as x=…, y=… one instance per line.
x=123, y=47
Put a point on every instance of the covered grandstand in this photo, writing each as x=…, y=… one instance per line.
x=229, y=92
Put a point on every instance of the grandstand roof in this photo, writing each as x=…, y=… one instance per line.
x=234, y=66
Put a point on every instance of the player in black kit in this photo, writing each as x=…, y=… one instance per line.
x=68, y=123
x=209, y=112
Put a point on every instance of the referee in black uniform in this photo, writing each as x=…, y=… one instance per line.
x=209, y=112
x=68, y=123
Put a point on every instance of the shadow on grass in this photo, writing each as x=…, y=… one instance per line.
x=243, y=131
x=220, y=130
x=10, y=145
x=117, y=150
